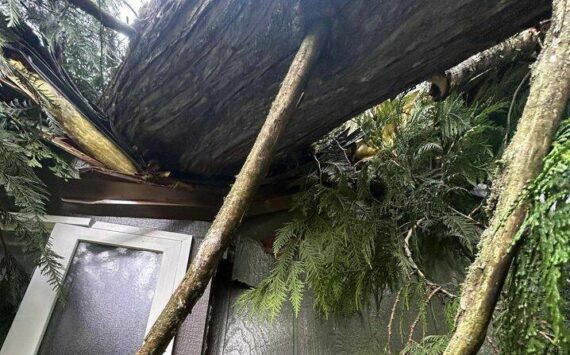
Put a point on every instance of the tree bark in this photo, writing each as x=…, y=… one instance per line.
x=104, y=17
x=549, y=93
x=519, y=45
x=200, y=77
x=236, y=202
x=80, y=129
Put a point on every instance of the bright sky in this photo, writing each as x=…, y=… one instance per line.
x=125, y=12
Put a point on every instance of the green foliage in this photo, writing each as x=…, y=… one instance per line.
x=23, y=201
x=346, y=243
x=434, y=344
x=13, y=12
x=536, y=316
x=89, y=52
x=430, y=345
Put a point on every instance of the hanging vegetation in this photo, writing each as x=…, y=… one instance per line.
x=88, y=51
x=22, y=152
x=350, y=238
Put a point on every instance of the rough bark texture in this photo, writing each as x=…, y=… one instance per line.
x=549, y=93
x=200, y=78
x=236, y=202
x=521, y=44
x=104, y=17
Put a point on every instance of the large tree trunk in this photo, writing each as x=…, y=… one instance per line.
x=199, y=80
x=548, y=97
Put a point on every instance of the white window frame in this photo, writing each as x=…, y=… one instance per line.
x=29, y=325
x=51, y=220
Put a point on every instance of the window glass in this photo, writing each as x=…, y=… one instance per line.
x=107, y=298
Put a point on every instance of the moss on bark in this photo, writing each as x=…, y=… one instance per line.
x=548, y=96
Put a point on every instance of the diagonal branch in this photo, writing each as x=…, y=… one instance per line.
x=415, y=267
x=505, y=52
x=104, y=17
x=238, y=199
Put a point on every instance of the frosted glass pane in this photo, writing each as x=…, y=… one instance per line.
x=108, y=299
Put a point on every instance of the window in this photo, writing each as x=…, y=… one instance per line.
x=117, y=281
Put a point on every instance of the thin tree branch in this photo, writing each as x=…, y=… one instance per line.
x=415, y=267
x=392, y=315
x=126, y=3
x=416, y=321
x=238, y=199
x=511, y=108
x=104, y=17
x=505, y=52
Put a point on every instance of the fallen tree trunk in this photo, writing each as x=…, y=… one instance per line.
x=549, y=93
x=201, y=76
x=238, y=199
x=521, y=44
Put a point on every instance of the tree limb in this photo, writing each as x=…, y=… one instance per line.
x=416, y=321
x=549, y=93
x=392, y=315
x=104, y=17
x=236, y=202
x=505, y=52
x=415, y=267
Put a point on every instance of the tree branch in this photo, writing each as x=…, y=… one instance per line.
x=416, y=321
x=104, y=17
x=549, y=94
x=392, y=315
x=236, y=202
x=415, y=267
x=505, y=52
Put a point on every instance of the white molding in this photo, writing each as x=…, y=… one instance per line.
x=51, y=220
x=77, y=221
x=140, y=231
x=26, y=333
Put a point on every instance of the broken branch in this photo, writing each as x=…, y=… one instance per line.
x=505, y=52
x=415, y=267
x=82, y=131
x=416, y=321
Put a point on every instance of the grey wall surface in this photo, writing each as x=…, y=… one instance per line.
x=233, y=332
x=196, y=228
